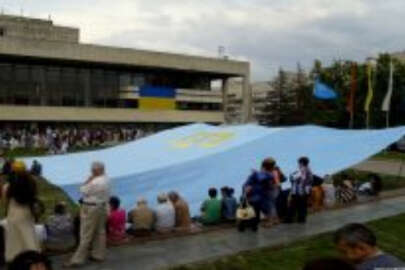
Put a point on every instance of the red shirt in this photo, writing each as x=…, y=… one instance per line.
x=116, y=225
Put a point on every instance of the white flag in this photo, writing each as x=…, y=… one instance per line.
x=387, y=100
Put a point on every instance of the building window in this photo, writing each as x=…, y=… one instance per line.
x=2, y=31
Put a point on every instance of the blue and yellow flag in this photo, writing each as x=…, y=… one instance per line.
x=157, y=98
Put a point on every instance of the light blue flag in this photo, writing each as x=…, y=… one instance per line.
x=191, y=159
x=322, y=91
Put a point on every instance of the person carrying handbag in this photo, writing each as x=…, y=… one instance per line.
x=257, y=190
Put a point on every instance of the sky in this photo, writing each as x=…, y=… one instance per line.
x=268, y=33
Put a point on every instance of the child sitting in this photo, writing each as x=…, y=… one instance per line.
x=59, y=228
x=229, y=204
x=211, y=209
x=116, y=222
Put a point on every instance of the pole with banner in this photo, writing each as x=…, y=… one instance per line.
x=370, y=93
x=352, y=93
x=386, y=106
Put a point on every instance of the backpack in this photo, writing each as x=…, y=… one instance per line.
x=283, y=178
x=317, y=181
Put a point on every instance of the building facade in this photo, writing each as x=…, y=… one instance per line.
x=273, y=102
x=259, y=98
x=46, y=74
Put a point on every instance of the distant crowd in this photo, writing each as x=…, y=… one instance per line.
x=268, y=197
x=60, y=140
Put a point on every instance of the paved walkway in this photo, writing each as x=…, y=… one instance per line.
x=176, y=251
x=389, y=167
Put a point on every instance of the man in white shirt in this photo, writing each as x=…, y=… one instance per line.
x=165, y=214
x=93, y=215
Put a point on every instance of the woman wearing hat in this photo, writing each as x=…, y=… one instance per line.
x=21, y=196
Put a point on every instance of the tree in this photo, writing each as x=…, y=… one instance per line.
x=292, y=102
x=337, y=75
x=281, y=103
x=303, y=91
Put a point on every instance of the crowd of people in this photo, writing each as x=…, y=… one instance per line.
x=60, y=140
x=267, y=196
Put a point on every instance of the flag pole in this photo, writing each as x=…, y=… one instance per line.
x=351, y=120
x=351, y=96
x=387, y=100
x=367, y=120
x=369, y=94
x=371, y=84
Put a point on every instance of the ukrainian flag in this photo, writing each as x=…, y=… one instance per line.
x=157, y=98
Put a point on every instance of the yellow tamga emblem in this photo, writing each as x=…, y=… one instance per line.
x=203, y=139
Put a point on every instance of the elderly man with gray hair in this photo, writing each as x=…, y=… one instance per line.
x=141, y=218
x=182, y=212
x=93, y=216
x=165, y=214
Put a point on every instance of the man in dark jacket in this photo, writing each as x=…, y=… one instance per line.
x=257, y=190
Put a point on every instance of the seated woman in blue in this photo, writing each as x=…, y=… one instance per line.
x=229, y=204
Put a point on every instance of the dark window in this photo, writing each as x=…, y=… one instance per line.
x=2, y=31
x=98, y=88
x=69, y=87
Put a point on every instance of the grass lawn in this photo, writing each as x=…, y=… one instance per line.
x=390, y=233
x=24, y=152
x=49, y=194
x=390, y=155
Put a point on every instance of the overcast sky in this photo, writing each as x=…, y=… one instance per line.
x=268, y=33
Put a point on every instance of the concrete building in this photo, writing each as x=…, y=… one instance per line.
x=259, y=93
x=46, y=74
x=268, y=103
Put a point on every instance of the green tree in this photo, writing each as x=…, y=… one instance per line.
x=303, y=90
x=282, y=103
x=292, y=101
x=338, y=76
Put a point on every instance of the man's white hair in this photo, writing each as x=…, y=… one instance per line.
x=162, y=197
x=142, y=200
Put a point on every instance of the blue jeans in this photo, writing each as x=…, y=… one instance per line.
x=274, y=194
